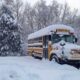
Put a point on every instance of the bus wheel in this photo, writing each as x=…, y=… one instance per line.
x=55, y=58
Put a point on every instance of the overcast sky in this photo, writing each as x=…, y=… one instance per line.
x=72, y=3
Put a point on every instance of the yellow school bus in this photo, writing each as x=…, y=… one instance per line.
x=55, y=42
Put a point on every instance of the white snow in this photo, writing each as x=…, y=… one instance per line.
x=33, y=44
x=47, y=30
x=28, y=68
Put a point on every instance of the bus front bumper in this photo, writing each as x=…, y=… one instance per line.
x=73, y=61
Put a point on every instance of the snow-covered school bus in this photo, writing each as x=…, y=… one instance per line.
x=55, y=42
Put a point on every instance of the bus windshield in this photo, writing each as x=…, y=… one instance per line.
x=67, y=38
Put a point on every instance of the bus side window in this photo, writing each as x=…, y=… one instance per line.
x=49, y=37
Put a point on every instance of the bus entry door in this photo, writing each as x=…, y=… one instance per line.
x=45, y=47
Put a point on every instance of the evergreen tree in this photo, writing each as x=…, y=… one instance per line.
x=9, y=34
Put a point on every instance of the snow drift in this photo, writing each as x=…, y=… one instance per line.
x=27, y=68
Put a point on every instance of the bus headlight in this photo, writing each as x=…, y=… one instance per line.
x=75, y=51
x=72, y=52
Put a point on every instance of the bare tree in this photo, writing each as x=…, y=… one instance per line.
x=47, y=14
x=29, y=19
x=55, y=12
x=9, y=2
x=42, y=13
x=73, y=17
x=18, y=5
x=65, y=13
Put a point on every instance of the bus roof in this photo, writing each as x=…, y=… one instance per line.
x=47, y=30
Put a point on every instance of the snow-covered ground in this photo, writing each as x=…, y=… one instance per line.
x=28, y=68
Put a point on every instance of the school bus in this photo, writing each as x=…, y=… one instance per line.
x=56, y=42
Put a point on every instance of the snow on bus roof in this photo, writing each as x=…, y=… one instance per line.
x=47, y=30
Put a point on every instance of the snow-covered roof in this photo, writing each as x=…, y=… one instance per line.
x=47, y=30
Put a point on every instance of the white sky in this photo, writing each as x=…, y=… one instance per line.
x=72, y=3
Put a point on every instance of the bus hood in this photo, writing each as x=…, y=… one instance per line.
x=72, y=46
x=68, y=47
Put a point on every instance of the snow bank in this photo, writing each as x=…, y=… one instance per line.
x=28, y=68
x=47, y=30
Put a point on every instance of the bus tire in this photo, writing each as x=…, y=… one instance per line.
x=55, y=58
